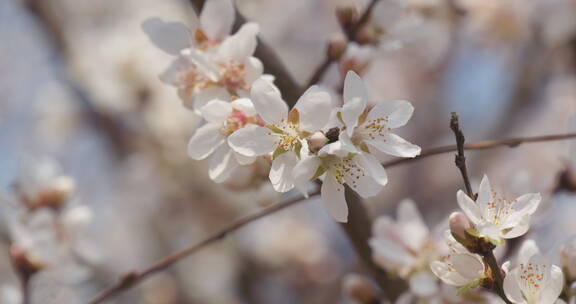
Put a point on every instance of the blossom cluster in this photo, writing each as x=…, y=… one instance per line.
x=246, y=120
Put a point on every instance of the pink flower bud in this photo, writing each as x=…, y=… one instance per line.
x=317, y=141
x=359, y=289
x=459, y=223
x=336, y=46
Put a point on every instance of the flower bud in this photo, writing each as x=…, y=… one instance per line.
x=336, y=47
x=24, y=265
x=317, y=141
x=357, y=288
x=568, y=256
x=459, y=223
x=367, y=34
x=56, y=195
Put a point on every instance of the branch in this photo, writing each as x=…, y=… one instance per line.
x=487, y=251
x=131, y=278
x=350, y=35
x=460, y=159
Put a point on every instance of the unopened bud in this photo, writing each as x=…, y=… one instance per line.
x=336, y=47
x=359, y=289
x=347, y=16
x=459, y=223
x=56, y=195
x=317, y=141
x=367, y=34
x=24, y=265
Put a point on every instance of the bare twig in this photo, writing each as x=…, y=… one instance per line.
x=128, y=280
x=350, y=35
x=460, y=159
x=487, y=251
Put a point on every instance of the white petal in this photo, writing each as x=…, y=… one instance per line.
x=217, y=18
x=554, y=286
x=397, y=111
x=414, y=231
x=252, y=140
x=304, y=171
x=346, y=144
x=314, y=107
x=354, y=89
x=362, y=182
x=202, y=97
x=222, y=164
x=468, y=265
x=423, y=284
x=394, y=145
x=335, y=148
x=512, y=287
x=216, y=111
x=442, y=271
x=373, y=166
x=171, y=37
x=240, y=46
x=383, y=226
x=243, y=159
x=527, y=204
x=254, y=70
x=484, y=193
x=244, y=105
x=527, y=250
x=268, y=101
x=519, y=228
x=390, y=254
x=351, y=111
x=469, y=207
x=281, y=172
x=332, y=194
x=204, y=141
x=203, y=62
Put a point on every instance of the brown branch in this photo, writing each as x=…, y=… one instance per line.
x=128, y=280
x=487, y=251
x=351, y=34
x=459, y=158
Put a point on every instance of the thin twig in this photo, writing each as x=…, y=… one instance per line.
x=350, y=35
x=459, y=158
x=488, y=253
x=128, y=280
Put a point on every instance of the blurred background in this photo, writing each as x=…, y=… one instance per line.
x=79, y=84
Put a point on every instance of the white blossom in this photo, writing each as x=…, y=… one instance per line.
x=533, y=280
x=460, y=267
x=496, y=216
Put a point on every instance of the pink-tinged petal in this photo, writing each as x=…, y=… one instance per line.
x=202, y=97
x=354, y=89
x=203, y=62
x=423, y=284
x=398, y=112
x=414, y=231
x=217, y=18
x=303, y=172
x=171, y=37
x=373, y=166
x=484, y=193
x=252, y=140
x=468, y=265
x=314, y=107
x=216, y=111
x=469, y=207
x=222, y=164
x=268, y=101
x=527, y=204
x=554, y=286
x=332, y=194
x=240, y=46
x=281, y=172
x=204, y=141
x=244, y=105
x=254, y=70
x=512, y=287
x=394, y=145
x=350, y=113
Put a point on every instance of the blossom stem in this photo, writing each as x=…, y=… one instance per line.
x=486, y=249
x=350, y=35
x=131, y=278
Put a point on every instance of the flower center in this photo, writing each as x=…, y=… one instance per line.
x=238, y=119
x=499, y=208
x=287, y=135
x=345, y=170
x=375, y=128
x=233, y=76
x=532, y=280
